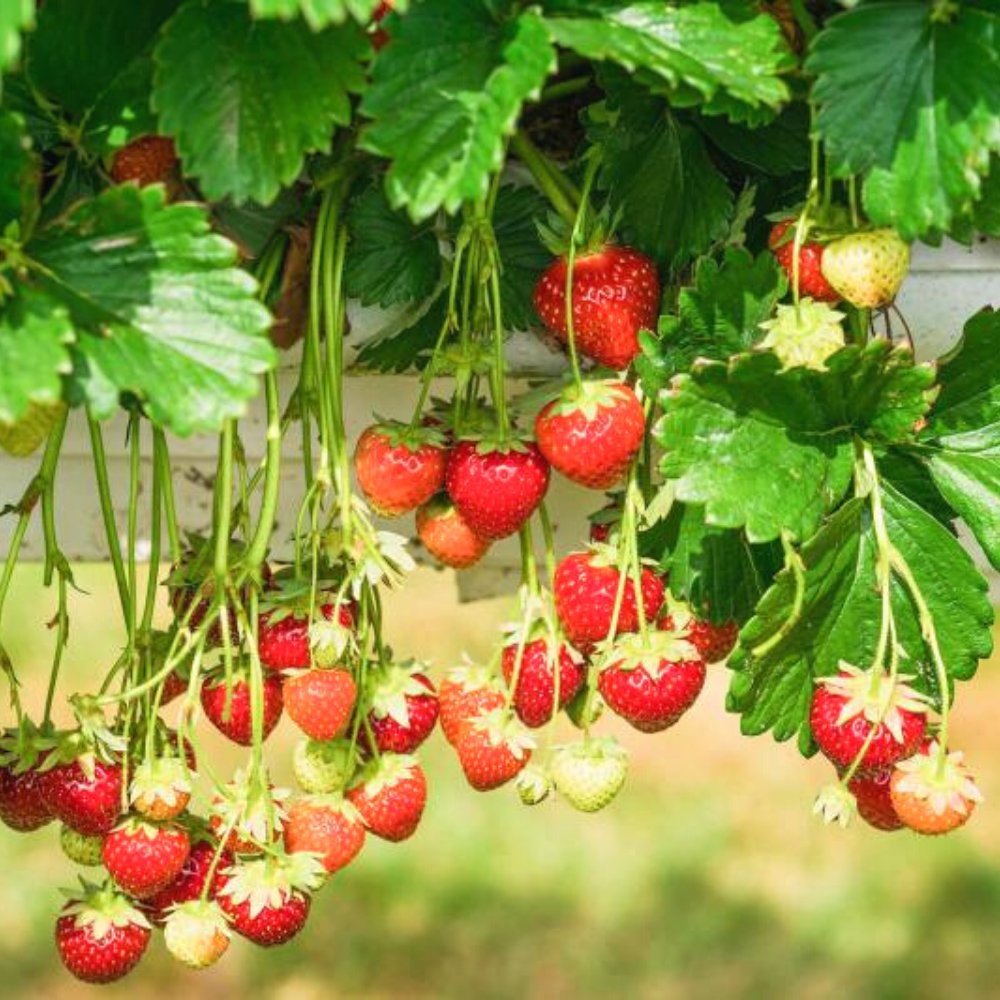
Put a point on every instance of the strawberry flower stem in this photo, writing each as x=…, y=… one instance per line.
x=545, y=176
x=161, y=459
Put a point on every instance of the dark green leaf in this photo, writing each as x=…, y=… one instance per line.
x=18, y=180
x=389, y=258
x=122, y=112
x=779, y=148
x=446, y=93
x=159, y=306
x=246, y=101
x=81, y=46
x=913, y=101
x=523, y=256
x=34, y=333
x=408, y=345
x=910, y=475
x=250, y=226
x=15, y=16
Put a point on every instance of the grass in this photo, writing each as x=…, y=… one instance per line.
x=707, y=878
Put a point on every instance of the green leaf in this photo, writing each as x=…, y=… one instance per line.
x=389, y=258
x=122, y=112
x=445, y=94
x=160, y=308
x=15, y=16
x=34, y=332
x=81, y=46
x=317, y=13
x=673, y=202
x=697, y=50
x=405, y=345
x=719, y=315
x=246, y=101
x=913, y=101
x=962, y=441
x=18, y=179
x=523, y=256
x=779, y=148
x=908, y=473
x=727, y=428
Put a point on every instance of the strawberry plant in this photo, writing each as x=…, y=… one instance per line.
x=704, y=211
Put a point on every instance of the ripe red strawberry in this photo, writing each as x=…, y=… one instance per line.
x=616, y=293
x=846, y=707
x=585, y=588
x=713, y=642
x=173, y=687
x=320, y=702
x=144, y=858
x=286, y=641
x=237, y=722
x=873, y=795
x=404, y=708
x=492, y=749
x=85, y=794
x=327, y=825
x=811, y=280
x=188, y=884
x=390, y=796
x=651, y=683
x=496, y=488
x=591, y=435
x=534, y=697
x=267, y=900
x=150, y=159
x=466, y=692
x=934, y=792
x=399, y=467
x=447, y=535
x=23, y=806
x=100, y=935
x=604, y=522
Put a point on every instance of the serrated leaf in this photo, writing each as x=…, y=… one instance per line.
x=696, y=49
x=15, y=16
x=80, y=46
x=389, y=258
x=34, y=333
x=406, y=346
x=673, y=202
x=318, y=13
x=246, y=101
x=122, y=111
x=446, y=93
x=717, y=316
x=779, y=148
x=523, y=256
x=913, y=101
x=17, y=171
x=909, y=474
x=726, y=428
x=159, y=307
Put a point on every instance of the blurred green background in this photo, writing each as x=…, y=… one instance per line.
x=708, y=877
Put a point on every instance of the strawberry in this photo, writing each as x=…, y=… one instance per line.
x=23, y=804
x=585, y=588
x=592, y=434
x=811, y=280
x=404, y=708
x=604, y=523
x=30, y=431
x=85, y=794
x=447, y=535
x=804, y=335
x=933, y=792
x=173, y=687
x=253, y=814
x=161, y=788
x=228, y=709
x=81, y=849
x=320, y=702
x=845, y=708
x=534, y=696
x=533, y=785
x=867, y=268
x=267, y=899
x=286, y=641
x=466, y=692
x=100, y=935
x=492, y=749
x=323, y=767
x=713, y=642
x=380, y=37
x=652, y=682
x=150, y=159
x=390, y=795
x=873, y=797
x=197, y=934
x=589, y=775
x=144, y=858
x=496, y=487
x=188, y=884
x=329, y=826
x=616, y=293
x=399, y=467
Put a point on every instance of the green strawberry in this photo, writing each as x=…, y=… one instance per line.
x=804, y=336
x=26, y=434
x=589, y=775
x=80, y=848
x=867, y=268
x=322, y=767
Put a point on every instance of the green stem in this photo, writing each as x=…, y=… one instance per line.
x=272, y=480
x=532, y=158
x=224, y=492
x=107, y=509
x=48, y=473
x=134, y=435
x=161, y=462
x=565, y=88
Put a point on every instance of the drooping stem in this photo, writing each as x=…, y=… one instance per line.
x=161, y=460
x=48, y=473
x=545, y=177
x=223, y=506
x=272, y=480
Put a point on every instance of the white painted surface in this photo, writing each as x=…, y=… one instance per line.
x=945, y=287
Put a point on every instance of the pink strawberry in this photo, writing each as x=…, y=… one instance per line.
x=328, y=826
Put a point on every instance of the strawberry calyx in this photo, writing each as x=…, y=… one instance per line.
x=385, y=771
x=589, y=397
x=941, y=778
x=391, y=688
x=533, y=785
x=252, y=809
x=503, y=729
x=835, y=804
x=334, y=801
x=491, y=441
x=101, y=908
x=654, y=652
x=24, y=747
x=409, y=436
x=163, y=779
x=269, y=882
x=875, y=696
